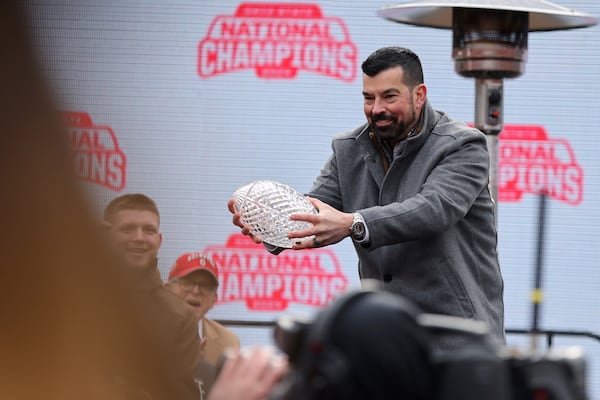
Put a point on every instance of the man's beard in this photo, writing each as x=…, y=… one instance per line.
x=398, y=130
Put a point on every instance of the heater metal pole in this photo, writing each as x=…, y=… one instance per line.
x=488, y=119
x=492, y=144
x=537, y=294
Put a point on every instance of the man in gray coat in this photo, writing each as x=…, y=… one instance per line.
x=410, y=187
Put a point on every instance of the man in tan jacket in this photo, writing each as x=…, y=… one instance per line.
x=195, y=278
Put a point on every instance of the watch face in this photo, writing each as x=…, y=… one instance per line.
x=358, y=230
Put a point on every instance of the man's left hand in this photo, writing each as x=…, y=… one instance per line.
x=329, y=226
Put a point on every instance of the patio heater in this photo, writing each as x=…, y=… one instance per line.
x=489, y=44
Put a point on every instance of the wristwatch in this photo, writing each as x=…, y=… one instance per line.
x=357, y=229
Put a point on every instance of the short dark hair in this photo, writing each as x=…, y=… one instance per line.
x=394, y=56
x=132, y=201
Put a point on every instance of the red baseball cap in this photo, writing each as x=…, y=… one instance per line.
x=194, y=261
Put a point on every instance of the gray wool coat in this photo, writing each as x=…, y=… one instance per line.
x=431, y=222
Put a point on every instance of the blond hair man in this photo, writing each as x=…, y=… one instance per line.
x=132, y=223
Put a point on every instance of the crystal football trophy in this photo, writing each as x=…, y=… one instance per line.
x=265, y=207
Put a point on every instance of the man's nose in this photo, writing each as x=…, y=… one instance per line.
x=196, y=289
x=138, y=234
x=378, y=107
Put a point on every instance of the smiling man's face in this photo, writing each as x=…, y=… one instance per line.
x=392, y=108
x=136, y=237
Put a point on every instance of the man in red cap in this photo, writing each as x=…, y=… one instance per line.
x=195, y=278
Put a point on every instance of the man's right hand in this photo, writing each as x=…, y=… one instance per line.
x=236, y=221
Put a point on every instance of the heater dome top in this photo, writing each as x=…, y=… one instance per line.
x=543, y=15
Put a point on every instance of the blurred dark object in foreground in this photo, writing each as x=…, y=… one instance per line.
x=376, y=345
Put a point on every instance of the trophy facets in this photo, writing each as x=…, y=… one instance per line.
x=266, y=206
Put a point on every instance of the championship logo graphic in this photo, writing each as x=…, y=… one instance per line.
x=98, y=158
x=530, y=162
x=277, y=40
x=269, y=283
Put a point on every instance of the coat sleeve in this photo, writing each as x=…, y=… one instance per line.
x=326, y=186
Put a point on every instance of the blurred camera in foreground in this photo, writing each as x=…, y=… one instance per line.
x=377, y=345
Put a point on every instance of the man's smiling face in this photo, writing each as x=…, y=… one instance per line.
x=136, y=237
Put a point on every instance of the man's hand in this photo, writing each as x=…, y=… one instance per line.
x=249, y=374
x=329, y=226
x=236, y=221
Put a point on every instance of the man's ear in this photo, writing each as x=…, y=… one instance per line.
x=420, y=95
x=104, y=224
